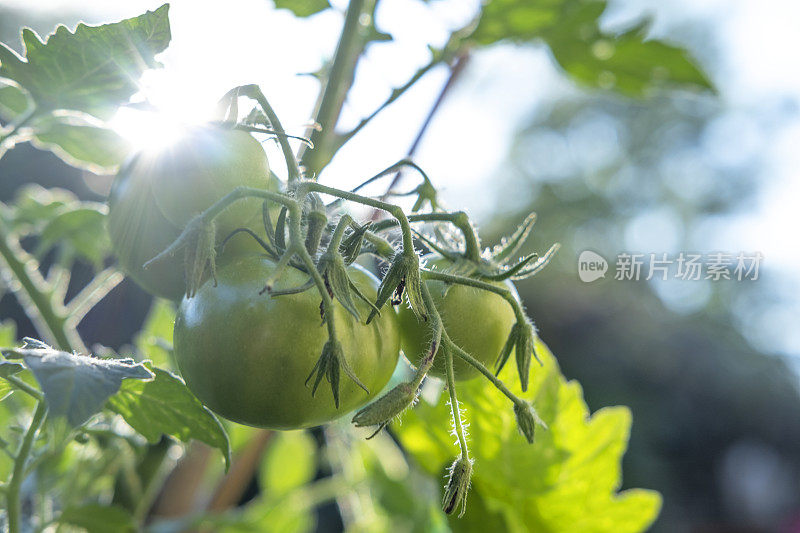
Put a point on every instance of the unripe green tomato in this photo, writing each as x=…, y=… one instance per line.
x=478, y=321
x=247, y=355
x=140, y=227
x=203, y=166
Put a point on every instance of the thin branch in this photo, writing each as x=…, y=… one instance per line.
x=334, y=93
x=455, y=74
x=97, y=289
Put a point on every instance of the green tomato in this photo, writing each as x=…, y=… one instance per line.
x=142, y=224
x=478, y=321
x=203, y=166
x=139, y=231
x=247, y=356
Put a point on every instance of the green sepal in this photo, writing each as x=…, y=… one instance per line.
x=329, y=365
x=455, y=492
x=201, y=252
x=280, y=229
x=384, y=409
x=509, y=246
x=333, y=270
x=317, y=221
x=352, y=244
x=527, y=419
x=403, y=276
x=540, y=263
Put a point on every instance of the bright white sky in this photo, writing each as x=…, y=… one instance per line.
x=468, y=141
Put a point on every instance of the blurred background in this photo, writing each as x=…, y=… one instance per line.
x=709, y=368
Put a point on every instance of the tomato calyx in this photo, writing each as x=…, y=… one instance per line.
x=328, y=366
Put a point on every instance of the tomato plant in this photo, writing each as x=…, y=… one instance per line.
x=295, y=336
x=264, y=347
x=156, y=194
x=477, y=320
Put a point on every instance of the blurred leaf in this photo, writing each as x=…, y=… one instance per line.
x=93, y=69
x=13, y=101
x=165, y=406
x=626, y=62
x=96, y=518
x=8, y=332
x=566, y=481
x=82, y=144
x=303, y=8
x=154, y=341
x=7, y=368
x=289, y=463
x=5, y=390
x=78, y=232
x=35, y=205
x=77, y=386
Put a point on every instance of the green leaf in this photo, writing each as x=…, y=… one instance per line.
x=627, y=62
x=5, y=390
x=96, y=518
x=567, y=480
x=165, y=406
x=78, y=232
x=303, y=8
x=82, y=144
x=77, y=386
x=93, y=69
x=289, y=463
x=8, y=332
x=13, y=101
x=7, y=368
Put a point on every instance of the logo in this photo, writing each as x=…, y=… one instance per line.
x=591, y=266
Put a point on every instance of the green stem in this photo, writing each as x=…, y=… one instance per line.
x=24, y=387
x=395, y=211
x=459, y=219
x=348, y=50
x=507, y=295
x=41, y=309
x=27, y=117
x=437, y=329
x=451, y=386
x=254, y=92
x=296, y=237
x=12, y=491
x=485, y=371
x=338, y=233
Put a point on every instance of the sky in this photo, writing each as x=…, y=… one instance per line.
x=468, y=141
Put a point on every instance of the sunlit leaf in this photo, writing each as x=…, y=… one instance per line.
x=82, y=144
x=303, y=8
x=165, y=406
x=78, y=232
x=93, y=69
x=566, y=481
x=13, y=101
x=628, y=62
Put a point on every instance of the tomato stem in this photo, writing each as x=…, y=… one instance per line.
x=18, y=474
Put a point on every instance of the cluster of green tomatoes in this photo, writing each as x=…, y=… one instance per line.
x=273, y=300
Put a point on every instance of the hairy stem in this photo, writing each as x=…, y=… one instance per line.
x=485, y=371
x=451, y=386
x=507, y=295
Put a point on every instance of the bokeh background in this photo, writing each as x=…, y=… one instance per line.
x=709, y=369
